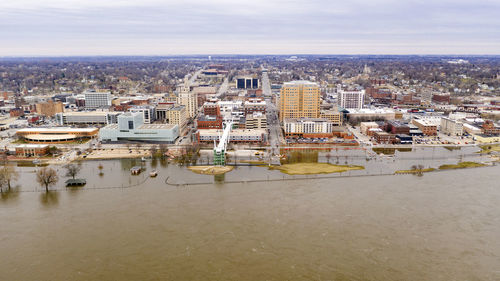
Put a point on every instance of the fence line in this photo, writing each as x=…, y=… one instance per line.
x=42, y=189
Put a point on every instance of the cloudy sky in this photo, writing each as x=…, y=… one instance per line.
x=155, y=27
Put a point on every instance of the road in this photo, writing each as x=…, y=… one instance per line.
x=195, y=75
x=266, y=86
x=272, y=117
x=223, y=87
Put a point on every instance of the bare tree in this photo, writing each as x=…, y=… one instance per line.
x=153, y=150
x=72, y=170
x=47, y=177
x=419, y=170
x=138, y=146
x=100, y=167
x=3, y=157
x=163, y=149
x=7, y=175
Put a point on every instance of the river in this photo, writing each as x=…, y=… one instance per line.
x=441, y=226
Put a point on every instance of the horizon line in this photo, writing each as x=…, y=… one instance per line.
x=242, y=54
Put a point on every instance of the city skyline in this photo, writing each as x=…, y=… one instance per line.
x=151, y=27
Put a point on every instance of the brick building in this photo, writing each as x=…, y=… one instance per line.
x=396, y=127
x=209, y=122
x=30, y=150
x=428, y=128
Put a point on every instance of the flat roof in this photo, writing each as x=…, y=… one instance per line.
x=84, y=113
x=57, y=130
x=32, y=145
x=50, y=137
x=300, y=82
x=234, y=132
x=425, y=122
x=371, y=111
x=305, y=119
x=156, y=126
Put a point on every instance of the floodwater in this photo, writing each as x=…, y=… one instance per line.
x=442, y=226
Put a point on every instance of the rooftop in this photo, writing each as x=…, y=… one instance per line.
x=31, y=146
x=300, y=82
x=234, y=132
x=156, y=126
x=84, y=113
x=57, y=130
x=305, y=119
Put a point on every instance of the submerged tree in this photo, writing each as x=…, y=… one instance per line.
x=7, y=175
x=154, y=150
x=72, y=170
x=163, y=149
x=419, y=170
x=47, y=177
x=100, y=167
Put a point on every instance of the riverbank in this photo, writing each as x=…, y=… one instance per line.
x=210, y=170
x=118, y=153
x=462, y=165
x=314, y=168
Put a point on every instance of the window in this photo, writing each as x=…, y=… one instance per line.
x=130, y=125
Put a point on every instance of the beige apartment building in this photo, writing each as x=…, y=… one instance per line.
x=334, y=116
x=178, y=116
x=299, y=99
x=190, y=101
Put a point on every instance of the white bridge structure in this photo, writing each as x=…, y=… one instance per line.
x=220, y=149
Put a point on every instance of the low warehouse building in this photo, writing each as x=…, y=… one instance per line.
x=30, y=150
x=130, y=127
x=56, y=135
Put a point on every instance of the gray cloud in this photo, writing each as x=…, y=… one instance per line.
x=274, y=26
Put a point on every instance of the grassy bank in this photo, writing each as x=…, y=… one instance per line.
x=415, y=171
x=490, y=148
x=210, y=170
x=461, y=165
x=314, y=168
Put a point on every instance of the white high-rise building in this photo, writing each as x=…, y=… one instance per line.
x=350, y=99
x=148, y=113
x=97, y=99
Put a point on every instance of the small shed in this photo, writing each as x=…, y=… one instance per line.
x=76, y=182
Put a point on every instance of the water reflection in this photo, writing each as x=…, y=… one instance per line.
x=74, y=190
x=50, y=198
x=390, y=151
x=9, y=194
x=163, y=162
x=303, y=156
x=220, y=178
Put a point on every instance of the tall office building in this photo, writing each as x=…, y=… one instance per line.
x=190, y=101
x=350, y=99
x=299, y=99
x=97, y=99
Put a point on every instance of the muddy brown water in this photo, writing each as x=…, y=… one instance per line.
x=442, y=226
